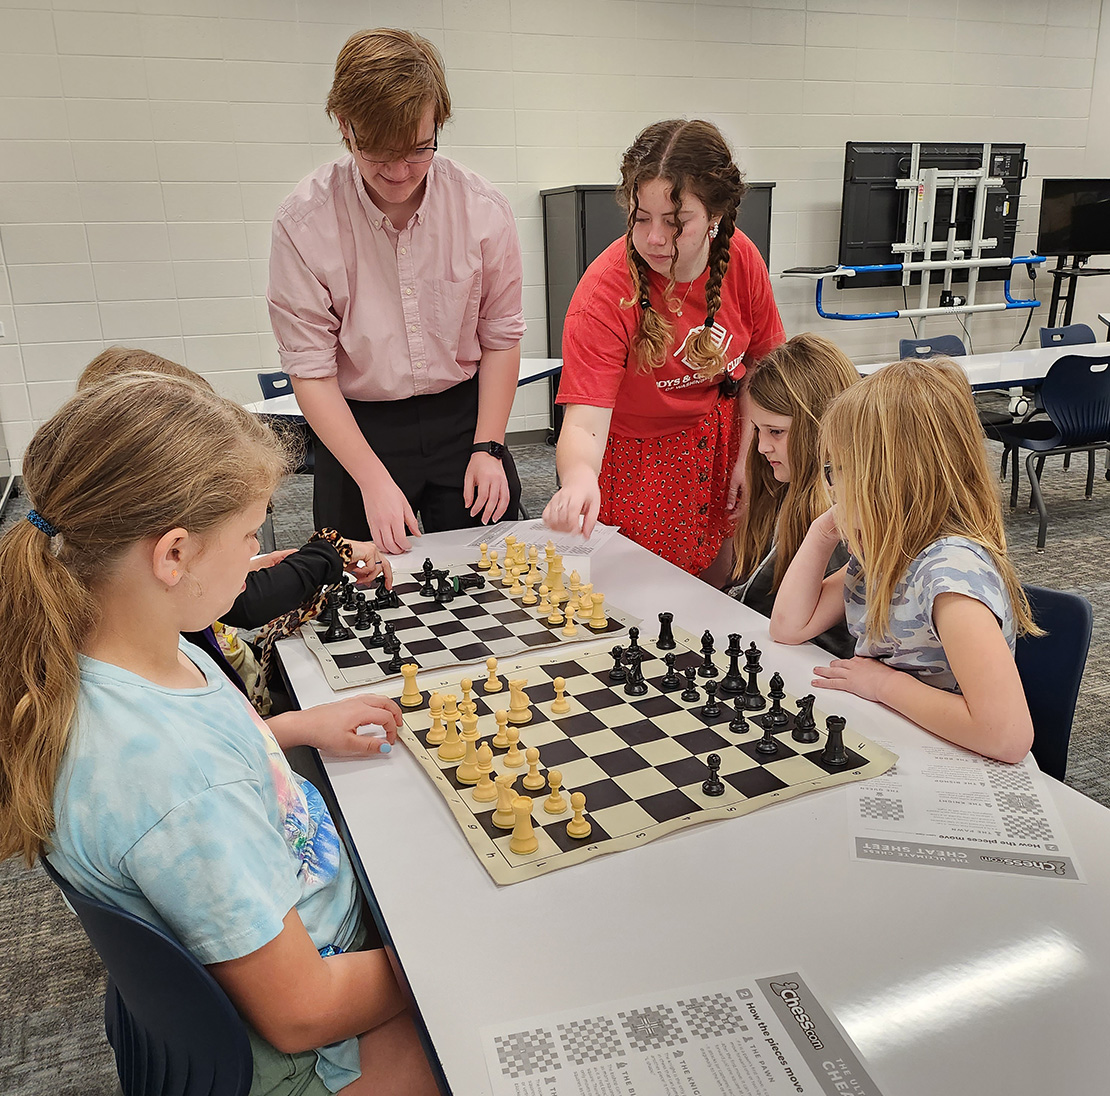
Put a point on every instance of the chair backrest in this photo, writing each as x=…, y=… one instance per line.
x=275, y=384
x=173, y=1029
x=1051, y=668
x=1075, y=394
x=1072, y=335
x=938, y=345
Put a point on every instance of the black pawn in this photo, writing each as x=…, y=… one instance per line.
x=707, y=667
x=713, y=785
x=337, y=630
x=738, y=724
x=711, y=709
x=665, y=642
x=834, y=754
x=691, y=693
x=753, y=698
x=362, y=612
x=805, y=726
x=349, y=595
x=635, y=685
x=634, y=641
x=732, y=684
x=377, y=639
x=768, y=744
x=670, y=680
x=776, y=717
x=617, y=673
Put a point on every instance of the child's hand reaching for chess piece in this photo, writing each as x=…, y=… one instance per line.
x=333, y=728
x=367, y=563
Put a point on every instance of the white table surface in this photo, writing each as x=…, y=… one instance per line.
x=531, y=369
x=948, y=981
x=1011, y=368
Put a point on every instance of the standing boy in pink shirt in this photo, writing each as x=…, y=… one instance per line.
x=395, y=298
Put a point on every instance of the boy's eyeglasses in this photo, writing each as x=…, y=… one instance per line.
x=420, y=155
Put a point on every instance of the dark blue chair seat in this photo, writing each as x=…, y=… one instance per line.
x=1075, y=395
x=1073, y=335
x=1051, y=670
x=172, y=1028
x=937, y=346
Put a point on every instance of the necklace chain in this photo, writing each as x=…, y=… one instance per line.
x=690, y=285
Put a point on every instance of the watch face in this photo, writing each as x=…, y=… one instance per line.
x=494, y=448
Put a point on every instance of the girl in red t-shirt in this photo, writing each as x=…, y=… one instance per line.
x=658, y=333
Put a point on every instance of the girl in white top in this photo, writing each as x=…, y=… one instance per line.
x=928, y=592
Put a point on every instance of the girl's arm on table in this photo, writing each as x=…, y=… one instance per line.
x=808, y=603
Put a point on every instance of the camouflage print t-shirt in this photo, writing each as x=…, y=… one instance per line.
x=951, y=565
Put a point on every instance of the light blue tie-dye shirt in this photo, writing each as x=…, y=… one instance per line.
x=178, y=805
x=951, y=565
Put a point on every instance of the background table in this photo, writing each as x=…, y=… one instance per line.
x=1010, y=368
x=948, y=981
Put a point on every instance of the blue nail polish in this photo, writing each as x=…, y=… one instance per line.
x=385, y=748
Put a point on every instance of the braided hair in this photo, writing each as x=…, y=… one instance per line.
x=694, y=158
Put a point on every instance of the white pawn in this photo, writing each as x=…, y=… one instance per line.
x=529, y=598
x=555, y=803
x=544, y=605
x=483, y=563
x=514, y=759
x=485, y=791
x=516, y=589
x=578, y=826
x=556, y=617
x=570, y=630
x=560, y=705
x=534, y=564
x=466, y=685
x=438, y=732
x=493, y=682
x=501, y=739
x=494, y=570
x=533, y=779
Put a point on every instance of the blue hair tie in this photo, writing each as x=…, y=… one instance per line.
x=39, y=522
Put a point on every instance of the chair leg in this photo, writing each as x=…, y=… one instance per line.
x=1040, y=469
x=1006, y=453
x=1013, y=478
x=266, y=533
x=1067, y=461
x=1038, y=498
x=1090, y=472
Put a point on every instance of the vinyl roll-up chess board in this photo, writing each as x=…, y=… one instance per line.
x=474, y=625
x=639, y=760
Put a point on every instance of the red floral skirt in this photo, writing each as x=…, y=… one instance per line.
x=670, y=494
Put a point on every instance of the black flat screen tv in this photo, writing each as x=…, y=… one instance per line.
x=873, y=208
x=1075, y=217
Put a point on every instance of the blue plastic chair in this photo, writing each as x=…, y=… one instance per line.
x=938, y=346
x=1075, y=395
x=1051, y=669
x=275, y=384
x=173, y=1029
x=1072, y=335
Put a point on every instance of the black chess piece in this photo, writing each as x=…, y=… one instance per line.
x=376, y=639
x=634, y=640
x=666, y=641
x=691, y=693
x=670, y=680
x=738, y=724
x=713, y=785
x=349, y=595
x=711, y=709
x=362, y=612
x=707, y=667
x=337, y=630
x=834, y=753
x=635, y=684
x=445, y=590
x=617, y=673
x=753, y=698
x=732, y=684
x=428, y=589
x=805, y=726
x=393, y=666
x=768, y=744
x=776, y=717
x=381, y=594
x=473, y=581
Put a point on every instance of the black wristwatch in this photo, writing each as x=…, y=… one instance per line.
x=494, y=448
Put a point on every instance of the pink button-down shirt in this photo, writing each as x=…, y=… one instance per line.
x=393, y=313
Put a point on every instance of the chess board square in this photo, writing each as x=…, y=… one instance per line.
x=486, y=595
x=603, y=793
x=723, y=716
x=736, y=761
x=687, y=770
x=580, y=774
x=677, y=723
x=636, y=734
x=622, y=715
x=686, y=658
x=547, y=846
x=559, y=752
x=556, y=830
x=702, y=741
x=644, y=782
x=470, y=652
x=750, y=748
x=535, y=639
x=512, y=616
x=596, y=700
x=599, y=742
x=584, y=723
x=854, y=759
x=469, y=612
x=619, y=762
x=796, y=769
x=667, y=805
x=425, y=646
x=621, y=818
x=409, y=623
x=661, y=751
x=489, y=634
x=655, y=705
x=448, y=627
x=753, y=782
x=540, y=692
x=565, y=670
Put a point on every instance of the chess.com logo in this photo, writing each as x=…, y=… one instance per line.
x=1055, y=867
x=788, y=991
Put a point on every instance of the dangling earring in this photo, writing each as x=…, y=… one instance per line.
x=714, y=229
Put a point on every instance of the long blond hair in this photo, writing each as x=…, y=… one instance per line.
x=909, y=466
x=797, y=380
x=692, y=157
x=126, y=459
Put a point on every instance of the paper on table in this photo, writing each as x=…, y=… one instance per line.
x=756, y=1036
x=535, y=532
x=946, y=806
